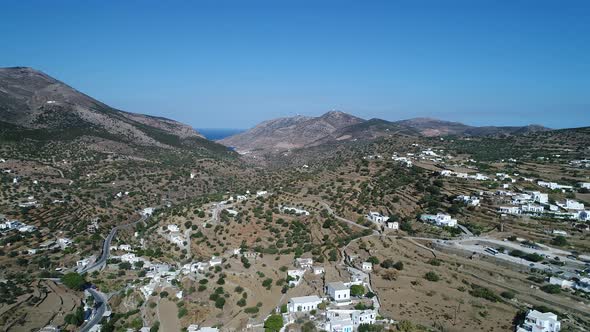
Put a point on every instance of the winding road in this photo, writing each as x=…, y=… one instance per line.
x=100, y=299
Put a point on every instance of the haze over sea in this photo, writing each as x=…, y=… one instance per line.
x=218, y=133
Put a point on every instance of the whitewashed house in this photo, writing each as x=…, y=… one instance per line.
x=536, y=321
x=303, y=303
x=338, y=291
x=532, y=208
x=317, y=270
x=565, y=284
x=539, y=197
x=304, y=263
x=376, y=217
x=215, y=261
x=363, y=317
x=440, y=219
x=571, y=204
x=295, y=276
x=173, y=228
x=509, y=209
x=339, y=324
x=394, y=225
x=125, y=247
x=469, y=200
x=64, y=242
x=367, y=266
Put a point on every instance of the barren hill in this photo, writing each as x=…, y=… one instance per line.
x=35, y=105
x=290, y=133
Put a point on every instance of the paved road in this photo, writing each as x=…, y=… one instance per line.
x=99, y=298
x=100, y=301
x=106, y=246
x=350, y=222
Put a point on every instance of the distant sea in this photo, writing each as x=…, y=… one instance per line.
x=218, y=133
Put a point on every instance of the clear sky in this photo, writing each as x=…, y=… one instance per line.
x=232, y=64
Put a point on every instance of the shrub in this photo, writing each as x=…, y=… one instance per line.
x=507, y=295
x=431, y=276
x=484, y=293
x=357, y=290
x=551, y=289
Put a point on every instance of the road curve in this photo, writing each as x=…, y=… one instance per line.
x=106, y=246
x=100, y=301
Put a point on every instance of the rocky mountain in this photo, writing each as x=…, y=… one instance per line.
x=35, y=105
x=433, y=127
x=291, y=132
x=333, y=127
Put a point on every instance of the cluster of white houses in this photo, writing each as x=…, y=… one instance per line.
x=382, y=221
x=8, y=225
x=340, y=315
x=573, y=283
x=439, y=219
x=536, y=321
x=537, y=203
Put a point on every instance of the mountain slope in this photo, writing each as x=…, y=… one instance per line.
x=433, y=127
x=290, y=133
x=37, y=105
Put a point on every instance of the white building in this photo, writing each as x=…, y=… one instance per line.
x=376, y=217
x=83, y=262
x=363, y=317
x=559, y=232
x=539, y=197
x=215, y=261
x=338, y=291
x=125, y=247
x=303, y=303
x=565, y=284
x=294, y=210
x=509, y=209
x=392, y=225
x=173, y=228
x=571, y=204
x=295, y=276
x=64, y=242
x=440, y=219
x=469, y=200
x=130, y=258
x=176, y=239
x=317, y=270
x=536, y=321
x=339, y=324
x=531, y=208
x=304, y=263
x=554, y=186
x=367, y=266
x=585, y=185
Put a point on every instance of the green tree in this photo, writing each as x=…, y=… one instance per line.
x=357, y=290
x=273, y=323
x=559, y=241
x=73, y=280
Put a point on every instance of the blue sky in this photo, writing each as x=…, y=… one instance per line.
x=232, y=64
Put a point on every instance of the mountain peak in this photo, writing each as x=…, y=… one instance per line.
x=32, y=99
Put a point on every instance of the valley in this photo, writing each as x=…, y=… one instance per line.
x=112, y=221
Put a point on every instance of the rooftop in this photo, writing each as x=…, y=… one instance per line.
x=338, y=285
x=306, y=299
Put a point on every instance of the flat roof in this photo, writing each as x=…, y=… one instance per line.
x=305, y=299
x=337, y=285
